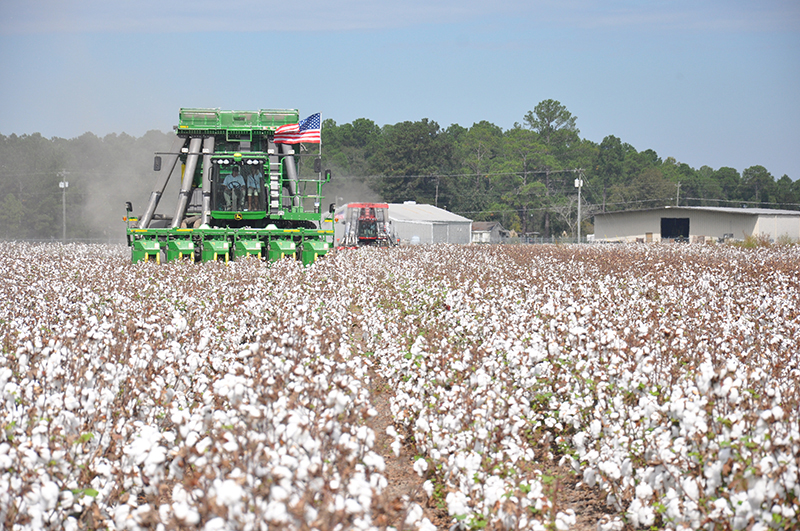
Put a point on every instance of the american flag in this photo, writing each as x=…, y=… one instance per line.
x=307, y=131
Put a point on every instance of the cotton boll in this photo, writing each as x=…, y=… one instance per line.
x=185, y=513
x=565, y=521
x=457, y=504
x=396, y=447
x=203, y=445
x=414, y=514
x=420, y=466
x=610, y=523
x=428, y=487
x=216, y=524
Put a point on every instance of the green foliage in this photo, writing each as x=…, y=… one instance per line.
x=102, y=175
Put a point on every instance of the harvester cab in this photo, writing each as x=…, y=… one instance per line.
x=241, y=192
x=367, y=225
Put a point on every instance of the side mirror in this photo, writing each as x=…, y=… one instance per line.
x=332, y=208
x=317, y=165
x=157, y=163
x=128, y=206
x=327, y=176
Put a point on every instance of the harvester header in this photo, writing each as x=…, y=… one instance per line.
x=242, y=193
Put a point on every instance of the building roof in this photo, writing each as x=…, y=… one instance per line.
x=410, y=211
x=485, y=226
x=724, y=210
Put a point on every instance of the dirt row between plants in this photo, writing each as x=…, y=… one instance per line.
x=405, y=485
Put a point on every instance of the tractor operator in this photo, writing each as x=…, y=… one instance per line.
x=253, y=187
x=234, y=184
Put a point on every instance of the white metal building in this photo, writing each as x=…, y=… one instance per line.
x=695, y=224
x=414, y=224
x=418, y=223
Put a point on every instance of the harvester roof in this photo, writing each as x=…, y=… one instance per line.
x=216, y=120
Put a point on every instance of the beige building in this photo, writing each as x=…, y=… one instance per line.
x=695, y=224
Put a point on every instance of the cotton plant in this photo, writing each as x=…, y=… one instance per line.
x=238, y=396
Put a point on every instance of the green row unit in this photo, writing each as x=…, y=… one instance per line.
x=226, y=244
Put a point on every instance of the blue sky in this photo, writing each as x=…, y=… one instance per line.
x=712, y=83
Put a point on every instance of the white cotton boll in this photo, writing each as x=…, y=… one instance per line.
x=179, y=321
x=553, y=348
x=608, y=523
x=565, y=521
x=203, y=445
x=71, y=402
x=121, y=514
x=374, y=461
x=644, y=491
x=276, y=492
x=578, y=331
x=721, y=509
x=493, y=490
x=191, y=438
x=579, y=440
x=49, y=495
x=230, y=447
x=777, y=412
x=414, y=514
x=391, y=431
x=420, y=466
x=611, y=469
x=396, y=447
x=185, y=513
x=690, y=488
x=457, y=504
x=351, y=506
x=204, y=340
x=229, y=492
x=426, y=525
x=428, y=487
x=216, y=524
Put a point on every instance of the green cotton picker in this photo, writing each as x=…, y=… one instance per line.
x=241, y=192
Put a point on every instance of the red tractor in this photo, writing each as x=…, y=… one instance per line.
x=367, y=224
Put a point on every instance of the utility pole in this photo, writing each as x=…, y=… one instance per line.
x=579, y=185
x=63, y=184
x=678, y=195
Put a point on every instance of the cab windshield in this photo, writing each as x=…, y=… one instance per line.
x=238, y=187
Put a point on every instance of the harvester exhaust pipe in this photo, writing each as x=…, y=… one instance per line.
x=291, y=172
x=208, y=149
x=186, y=183
x=158, y=191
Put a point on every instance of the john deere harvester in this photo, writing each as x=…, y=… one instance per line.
x=241, y=193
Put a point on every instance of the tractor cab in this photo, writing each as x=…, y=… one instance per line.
x=237, y=186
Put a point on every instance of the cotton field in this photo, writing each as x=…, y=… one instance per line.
x=243, y=396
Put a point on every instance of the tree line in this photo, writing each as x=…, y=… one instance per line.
x=523, y=177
